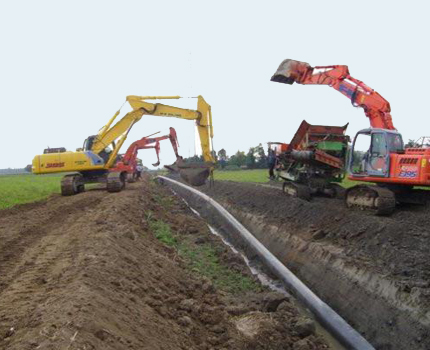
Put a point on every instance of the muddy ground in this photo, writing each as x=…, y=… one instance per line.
x=88, y=272
x=397, y=246
x=385, y=255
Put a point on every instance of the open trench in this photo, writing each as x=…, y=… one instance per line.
x=371, y=271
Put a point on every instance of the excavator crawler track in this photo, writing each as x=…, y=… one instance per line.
x=379, y=201
x=336, y=191
x=296, y=190
x=115, y=182
x=71, y=185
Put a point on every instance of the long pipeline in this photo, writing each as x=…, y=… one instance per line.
x=335, y=324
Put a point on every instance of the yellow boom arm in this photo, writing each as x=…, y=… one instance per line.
x=116, y=135
x=202, y=116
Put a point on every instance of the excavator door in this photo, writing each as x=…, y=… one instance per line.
x=370, y=154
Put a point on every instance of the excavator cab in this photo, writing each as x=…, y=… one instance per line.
x=370, y=153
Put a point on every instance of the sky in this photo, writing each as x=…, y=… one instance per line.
x=67, y=67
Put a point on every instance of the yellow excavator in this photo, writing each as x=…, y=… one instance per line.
x=93, y=162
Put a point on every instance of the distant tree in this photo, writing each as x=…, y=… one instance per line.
x=261, y=156
x=250, y=158
x=410, y=144
x=28, y=168
x=194, y=159
x=238, y=159
x=222, y=158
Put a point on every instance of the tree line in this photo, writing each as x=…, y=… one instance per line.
x=255, y=158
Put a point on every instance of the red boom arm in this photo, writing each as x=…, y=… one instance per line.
x=130, y=155
x=376, y=108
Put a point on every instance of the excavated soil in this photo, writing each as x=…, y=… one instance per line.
x=375, y=271
x=86, y=272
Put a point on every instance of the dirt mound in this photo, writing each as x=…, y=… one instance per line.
x=119, y=271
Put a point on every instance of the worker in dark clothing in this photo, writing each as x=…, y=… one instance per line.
x=271, y=159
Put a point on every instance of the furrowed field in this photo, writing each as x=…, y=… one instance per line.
x=19, y=189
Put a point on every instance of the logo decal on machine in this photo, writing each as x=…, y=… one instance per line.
x=408, y=172
x=55, y=165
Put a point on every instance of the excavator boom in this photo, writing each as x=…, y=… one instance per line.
x=376, y=108
x=202, y=116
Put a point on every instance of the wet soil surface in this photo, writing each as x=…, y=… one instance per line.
x=397, y=247
x=87, y=272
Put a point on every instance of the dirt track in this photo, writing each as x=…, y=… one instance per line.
x=374, y=270
x=86, y=272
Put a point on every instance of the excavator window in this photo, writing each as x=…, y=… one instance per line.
x=88, y=143
x=395, y=143
x=379, y=147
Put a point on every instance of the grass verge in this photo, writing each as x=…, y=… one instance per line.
x=203, y=259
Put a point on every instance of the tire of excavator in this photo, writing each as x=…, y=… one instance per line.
x=116, y=182
x=383, y=200
x=299, y=190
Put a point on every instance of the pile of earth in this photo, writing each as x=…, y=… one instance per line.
x=118, y=271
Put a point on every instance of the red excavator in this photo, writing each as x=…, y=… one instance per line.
x=385, y=161
x=129, y=161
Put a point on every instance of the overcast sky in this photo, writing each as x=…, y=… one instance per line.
x=66, y=68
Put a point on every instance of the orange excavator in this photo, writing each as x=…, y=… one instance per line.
x=129, y=162
x=385, y=162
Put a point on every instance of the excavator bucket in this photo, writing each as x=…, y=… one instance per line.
x=290, y=71
x=194, y=174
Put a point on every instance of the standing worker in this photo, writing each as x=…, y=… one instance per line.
x=271, y=158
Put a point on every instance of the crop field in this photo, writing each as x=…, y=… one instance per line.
x=19, y=189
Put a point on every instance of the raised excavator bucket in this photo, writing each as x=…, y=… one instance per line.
x=194, y=174
x=290, y=71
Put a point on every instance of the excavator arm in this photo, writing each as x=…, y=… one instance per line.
x=376, y=108
x=130, y=155
x=202, y=116
x=118, y=133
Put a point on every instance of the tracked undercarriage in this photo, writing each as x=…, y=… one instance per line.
x=72, y=184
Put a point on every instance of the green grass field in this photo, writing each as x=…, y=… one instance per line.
x=256, y=175
x=19, y=189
